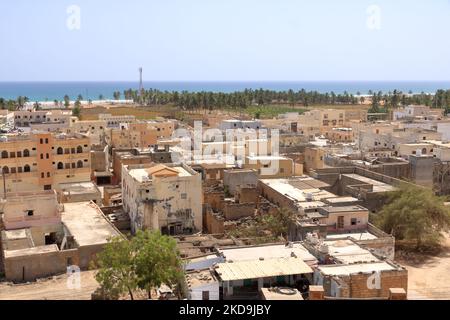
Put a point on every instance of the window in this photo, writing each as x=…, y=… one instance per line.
x=42, y=175
x=19, y=154
x=41, y=141
x=19, y=169
x=184, y=196
x=48, y=174
x=46, y=140
x=205, y=295
x=5, y=169
x=47, y=156
x=354, y=221
x=30, y=213
x=12, y=154
x=80, y=164
x=26, y=168
x=60, y=166
x=4, y=154
x=59, y=150
x=26, y=153
x=13, y=170
x=79, y=149
x=42, y=156
x=73, y=165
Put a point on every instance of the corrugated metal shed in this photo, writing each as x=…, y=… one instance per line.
x=254, y=269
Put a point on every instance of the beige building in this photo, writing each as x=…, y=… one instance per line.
x=52, y=121
x=271, y=166
x=42, y=161
x=325, y=119
x=314, y=158
x=43, y=238
x=163, y=197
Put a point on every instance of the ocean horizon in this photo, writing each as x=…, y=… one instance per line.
x=51, y=90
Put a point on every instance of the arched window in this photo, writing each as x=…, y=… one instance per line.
x=60, y=166
x=26, y=168
x=5, y=169
x=4, y=154
x=79, y=149
x=26, y=153
x=80, y=164
x=59, y=150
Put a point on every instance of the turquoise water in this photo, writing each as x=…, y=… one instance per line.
x=42, y=91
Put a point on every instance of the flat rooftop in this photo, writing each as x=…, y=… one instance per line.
x=285, y=187
x=79, y=188
x=378, y=186
x=267, y=252
x=356, y=208
x=200, y=278
x=254, y=269
x=266, y=158
x=356, y=236
x=347, y=252
x=143, y=175
x=87, y=224
x=30, y=251
x=339, y=200
x=345, y=270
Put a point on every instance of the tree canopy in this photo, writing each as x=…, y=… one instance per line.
x=415, y=213
x=145, y=262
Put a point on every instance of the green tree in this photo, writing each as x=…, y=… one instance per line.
x=76, y=111
x=157, y=260
x=117, y=271
x=66, y=101
x=414, y=213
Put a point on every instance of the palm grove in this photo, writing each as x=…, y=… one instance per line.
x=381, y=102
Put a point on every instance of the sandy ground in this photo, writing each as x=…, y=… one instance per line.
x=55, y=288
x=430, y=279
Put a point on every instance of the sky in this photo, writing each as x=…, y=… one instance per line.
x=225, y=40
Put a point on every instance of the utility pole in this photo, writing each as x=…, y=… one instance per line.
x=141, y=85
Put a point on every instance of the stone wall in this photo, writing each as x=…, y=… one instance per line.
x=234, y=211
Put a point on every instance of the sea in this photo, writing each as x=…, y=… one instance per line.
x=49, y=91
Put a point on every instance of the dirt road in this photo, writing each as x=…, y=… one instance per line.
x=430, y=279
x=55, y=288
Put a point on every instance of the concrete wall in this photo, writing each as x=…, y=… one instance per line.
x=32, y=267
x=234, y=178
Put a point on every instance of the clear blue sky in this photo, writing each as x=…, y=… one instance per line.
x=225, y=40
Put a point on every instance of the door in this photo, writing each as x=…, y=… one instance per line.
x=340, y=222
